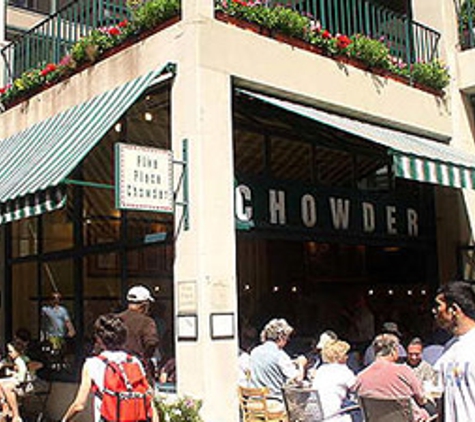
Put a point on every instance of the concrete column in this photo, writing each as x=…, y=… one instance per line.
x=195, y=9
x=205, y=269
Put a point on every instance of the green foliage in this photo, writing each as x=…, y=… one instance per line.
x=290, y=22
x=432, y=74
x=90, y=47
x=153, y=12
x=283, y=19
x=172, y=408
x=370, y=51
x=147, y=14
x=467, y=14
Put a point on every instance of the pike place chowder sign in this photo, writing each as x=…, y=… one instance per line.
x=311, y=210
x=143, y=178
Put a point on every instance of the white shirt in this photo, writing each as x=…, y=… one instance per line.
x=456, y=369
x=244, y=369
x=333, y=381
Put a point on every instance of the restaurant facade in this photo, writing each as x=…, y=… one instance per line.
x=301, y=187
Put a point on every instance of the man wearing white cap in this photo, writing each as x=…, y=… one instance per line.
x=142, y=335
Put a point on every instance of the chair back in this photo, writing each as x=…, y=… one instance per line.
x=386, y=410
x=302, y=404
x=254, y=406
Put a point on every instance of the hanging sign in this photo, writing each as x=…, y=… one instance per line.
x=143, y=178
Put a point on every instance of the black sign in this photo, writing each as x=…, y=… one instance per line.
x=275, y=205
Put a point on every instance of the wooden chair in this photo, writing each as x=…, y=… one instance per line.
x=388, y=410
x=254, y=406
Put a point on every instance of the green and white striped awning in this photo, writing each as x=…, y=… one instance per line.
x=414, y=157
x=35, y=162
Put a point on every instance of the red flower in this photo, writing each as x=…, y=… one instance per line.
x=123, y=23
x=241, y=2
x=114, y=31
x=343, y=41
x=50, y=67
x=326, y=34
x=3, y=90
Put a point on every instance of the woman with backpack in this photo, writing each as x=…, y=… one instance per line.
x=117, y=379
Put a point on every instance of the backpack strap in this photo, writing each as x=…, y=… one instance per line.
x=118, y=367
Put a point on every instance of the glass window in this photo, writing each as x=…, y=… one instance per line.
x=147, y=226
x=249, y=152
x=58, y=227
x=101, y=288
x=148, y=121
x=101, y=220
x=291, y=160
x=334, y=167
x=25, y=237
x=372, y=173
x=25, y=311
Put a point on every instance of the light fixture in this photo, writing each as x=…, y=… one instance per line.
x=275, y=289
x=156, y=289
x=247, y=287
x=148, y=116
x=370, y=292
x=423, y=292
x=409, y=292
x=294, y=289
x=390, y=292
x=118, y=127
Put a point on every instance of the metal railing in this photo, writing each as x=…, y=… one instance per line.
x=466, y=23
x=51, y=39
x=407, y=39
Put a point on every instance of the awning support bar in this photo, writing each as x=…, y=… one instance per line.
x=182, y=184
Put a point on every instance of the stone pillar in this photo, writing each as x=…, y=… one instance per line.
x=205, y=268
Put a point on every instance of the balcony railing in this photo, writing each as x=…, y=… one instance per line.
x=408, y=40
x=466, y=18
x=50, y=40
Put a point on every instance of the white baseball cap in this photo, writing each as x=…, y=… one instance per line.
x=139, y=294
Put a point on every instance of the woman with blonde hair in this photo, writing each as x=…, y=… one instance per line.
x=333, y=380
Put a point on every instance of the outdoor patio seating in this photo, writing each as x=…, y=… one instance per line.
x=254, y=406
x=388, y=410
x=304, y=405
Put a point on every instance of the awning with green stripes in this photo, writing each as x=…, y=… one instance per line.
x=35, y=162
x=414, y=157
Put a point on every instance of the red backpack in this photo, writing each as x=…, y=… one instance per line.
x=126, y=396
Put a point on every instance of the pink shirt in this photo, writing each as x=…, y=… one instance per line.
x=385, y=379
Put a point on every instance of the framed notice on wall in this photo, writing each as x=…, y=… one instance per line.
x=222, y=325
x=187, y=327
x=143, y=178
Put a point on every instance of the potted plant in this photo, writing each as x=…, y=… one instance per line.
x=174, y=408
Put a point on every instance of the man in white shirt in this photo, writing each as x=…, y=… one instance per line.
x=455, y=311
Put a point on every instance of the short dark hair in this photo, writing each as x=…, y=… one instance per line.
x=111, y=330
x=416, y=341
x=461, y=293
x=18, y=345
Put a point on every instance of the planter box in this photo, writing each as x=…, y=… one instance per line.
x=84, y=65
x=303, y=45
